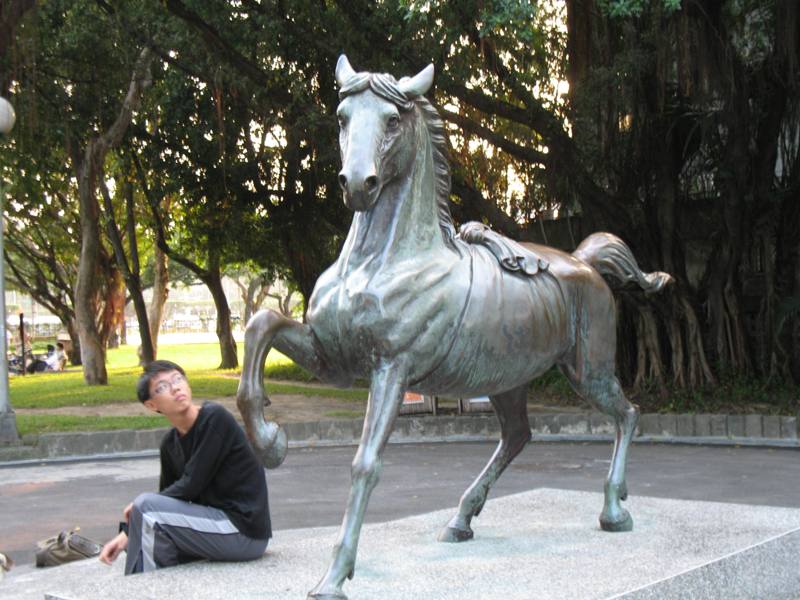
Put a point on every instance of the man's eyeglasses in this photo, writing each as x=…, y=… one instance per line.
x=169, y=384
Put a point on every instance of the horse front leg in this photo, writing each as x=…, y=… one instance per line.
x=267, y=329
x=385, y=396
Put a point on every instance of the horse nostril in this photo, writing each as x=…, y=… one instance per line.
x=370, y=183
x=343, y=181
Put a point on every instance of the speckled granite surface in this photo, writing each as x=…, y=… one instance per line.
x=540, y=544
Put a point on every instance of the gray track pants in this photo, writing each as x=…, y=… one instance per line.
x=164, y=532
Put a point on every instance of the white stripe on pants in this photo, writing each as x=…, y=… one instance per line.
x=165, y=531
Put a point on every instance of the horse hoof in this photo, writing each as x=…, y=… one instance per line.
x=274, y=450
x=452, y=535
x=624, y=524
x=336, y=595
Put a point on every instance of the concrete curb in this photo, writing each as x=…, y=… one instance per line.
x=712, y=429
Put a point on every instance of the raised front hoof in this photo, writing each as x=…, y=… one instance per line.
x=272, y=446
x=622, y=523
x=452, y=535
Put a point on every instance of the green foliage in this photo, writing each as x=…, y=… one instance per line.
x=634, y=8
x=668, y=100
x=76, y=72
x=553, y=384
x=497, y=15
x=734, y=394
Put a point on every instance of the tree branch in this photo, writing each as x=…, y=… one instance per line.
x=112, y=230
x=514, y=149
x=482, y=207
x=41, y=293
x=161, y=239
x=130, y=226
x=140, y=80
x=218, y=46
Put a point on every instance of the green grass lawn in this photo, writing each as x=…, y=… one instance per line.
x=36, y=424
x=53, y=390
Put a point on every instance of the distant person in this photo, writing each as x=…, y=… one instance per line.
x=62, y=356
x=36, y=364
x=56, y=358
x=51, y=359
x=212, y=500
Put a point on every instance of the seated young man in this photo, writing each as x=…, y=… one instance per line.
x=212, y=499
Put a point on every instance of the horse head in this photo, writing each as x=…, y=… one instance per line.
x=376, y=127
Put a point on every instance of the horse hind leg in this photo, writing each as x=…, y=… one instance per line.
x=512, y=411
x=603, y=390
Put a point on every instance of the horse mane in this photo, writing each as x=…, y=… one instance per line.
x=387, y=87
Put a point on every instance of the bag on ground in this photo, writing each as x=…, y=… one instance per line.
x=65, y=547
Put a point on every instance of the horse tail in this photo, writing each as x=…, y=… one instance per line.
x=610, y=256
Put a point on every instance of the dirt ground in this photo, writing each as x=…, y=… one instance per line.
x=285, y=408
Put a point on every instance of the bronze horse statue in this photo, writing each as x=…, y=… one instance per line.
x=412, y=306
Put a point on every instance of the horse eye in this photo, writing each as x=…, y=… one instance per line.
x=393, y=122
x=342, y=121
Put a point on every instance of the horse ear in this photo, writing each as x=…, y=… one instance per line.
x=343, y=70
x=419, y=84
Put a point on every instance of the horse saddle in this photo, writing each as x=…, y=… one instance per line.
x=511, y=255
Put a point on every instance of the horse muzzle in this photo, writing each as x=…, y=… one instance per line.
x=360, y=192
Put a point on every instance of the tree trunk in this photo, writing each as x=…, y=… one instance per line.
x=74, y=353
x=155, y=315
x=147, y=353
x=227, y=345
x=113, y=311
x=113, y=339
x=285, y=304
x=87, y=287
x=129, y=272
x=734, y=182
x=249, y=298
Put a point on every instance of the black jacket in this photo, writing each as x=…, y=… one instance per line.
x=214, y=465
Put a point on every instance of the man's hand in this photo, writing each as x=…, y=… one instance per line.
x=112, y=549
x=126, y=512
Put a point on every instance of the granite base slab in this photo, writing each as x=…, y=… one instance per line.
x=542, y=544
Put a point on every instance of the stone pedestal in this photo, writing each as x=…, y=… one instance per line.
x=8, y=429
x=543, y=544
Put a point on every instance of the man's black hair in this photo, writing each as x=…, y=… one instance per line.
x=150, y=371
